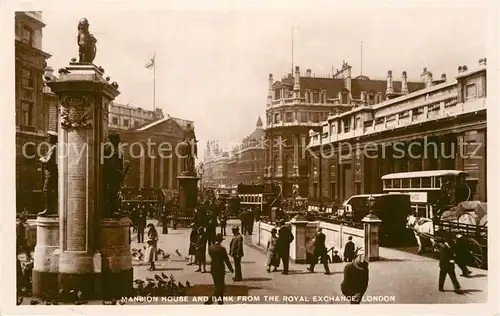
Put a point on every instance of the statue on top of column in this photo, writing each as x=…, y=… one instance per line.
x=86, y=43
x=190, y=149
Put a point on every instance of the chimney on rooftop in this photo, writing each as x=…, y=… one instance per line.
x=308, y=73
x=404, y=83
x=389, y=89
x=443, y=77
x=482, y=62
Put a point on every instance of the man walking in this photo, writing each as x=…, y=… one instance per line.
x=220, y=259
x=285, y=238
x=447, y=266
x=320, y=252
x=223, y=223
x=236, y=251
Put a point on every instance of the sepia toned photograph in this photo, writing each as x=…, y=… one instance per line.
x=320, y=155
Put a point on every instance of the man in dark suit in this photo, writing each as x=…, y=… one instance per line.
x=320, y=252
x=355, y=283
x=141, y=225
x=447, y=265
x=220, y=259
x=349, y=250
x=236, y=251
x=285, y=238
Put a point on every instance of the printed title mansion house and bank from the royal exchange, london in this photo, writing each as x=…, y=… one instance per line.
x=439, y=127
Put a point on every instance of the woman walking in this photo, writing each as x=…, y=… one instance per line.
x=151, y=251
x=201, y=250
x=272, y=254
x=193, y=239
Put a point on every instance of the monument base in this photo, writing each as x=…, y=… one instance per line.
x=88, y=283
x=117, y=271
x=116, y=285
x=44, y=282
x=46, y=256
x=188, y=191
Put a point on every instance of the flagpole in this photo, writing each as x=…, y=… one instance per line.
x=154, y=82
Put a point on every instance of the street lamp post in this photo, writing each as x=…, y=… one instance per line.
x=371, y=225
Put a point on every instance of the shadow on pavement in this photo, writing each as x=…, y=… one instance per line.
x=481, y=275
x=169, y=269
x=256, y=279
x=231, y=290
x=466, y=291
x=291, y=272
x=391, y=259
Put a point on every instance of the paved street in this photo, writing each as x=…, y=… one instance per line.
x=409, y=278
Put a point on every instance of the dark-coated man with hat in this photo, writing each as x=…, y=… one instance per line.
x=236, y=251
x=49, y=163
x=220, y=260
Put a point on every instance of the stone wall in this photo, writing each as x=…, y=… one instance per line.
x=336, y=236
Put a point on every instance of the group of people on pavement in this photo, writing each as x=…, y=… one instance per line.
x=247, y=218
x=278, y=247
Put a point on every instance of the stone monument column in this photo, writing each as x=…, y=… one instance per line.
x=84, y=96
x=188, y=178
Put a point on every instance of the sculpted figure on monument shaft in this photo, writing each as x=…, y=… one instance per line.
x=86, y=43
x=49, y=166
x=113, y=176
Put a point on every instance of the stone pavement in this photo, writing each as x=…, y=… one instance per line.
x=406, y=277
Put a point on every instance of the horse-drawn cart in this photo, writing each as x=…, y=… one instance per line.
x=468, y=220
x=465, y=224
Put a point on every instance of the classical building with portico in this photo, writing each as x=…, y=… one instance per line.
x=442, y=126
x=299, y=103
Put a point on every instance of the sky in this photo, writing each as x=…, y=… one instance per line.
x=212, y=64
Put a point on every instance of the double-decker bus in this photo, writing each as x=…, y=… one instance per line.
x=425, y=188
x=260, y=196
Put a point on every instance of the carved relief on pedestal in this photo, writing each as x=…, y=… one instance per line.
x=76, y=112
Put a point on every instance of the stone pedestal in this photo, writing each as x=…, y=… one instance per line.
x=31, y=228
x=188, y=191
x=302, y=231
x=371, y=225
x=117, y=272
x=46, y=257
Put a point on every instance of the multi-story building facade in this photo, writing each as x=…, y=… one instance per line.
x=442, y=126
x=250, y=157
x=215, y=166
x=124, y=116
x=297, y=104
x=232, y=166
x=32, y=108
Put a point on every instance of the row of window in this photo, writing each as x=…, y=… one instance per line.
x=126, y=122
x=304, y=117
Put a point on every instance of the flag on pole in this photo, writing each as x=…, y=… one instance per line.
x=151, y=63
